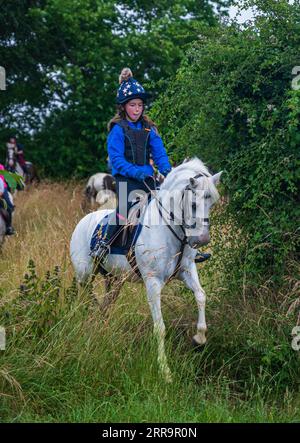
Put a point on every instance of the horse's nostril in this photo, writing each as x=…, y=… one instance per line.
x=204, y=240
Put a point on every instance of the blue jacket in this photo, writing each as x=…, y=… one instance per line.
x=116, y=147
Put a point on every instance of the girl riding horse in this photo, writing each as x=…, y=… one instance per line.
x=132, y=141
x=15, y=153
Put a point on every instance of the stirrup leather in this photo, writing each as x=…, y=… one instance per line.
x=101, y=251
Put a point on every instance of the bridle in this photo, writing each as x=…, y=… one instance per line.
x=183, y=225
x=183, y=241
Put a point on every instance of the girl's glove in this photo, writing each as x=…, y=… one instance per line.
x=165, y=172
x=140, y=176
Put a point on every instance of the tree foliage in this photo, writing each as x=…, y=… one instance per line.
x=235, y=103
x=63, y=59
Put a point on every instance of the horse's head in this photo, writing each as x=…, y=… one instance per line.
x=199, y=196
x=195, y=191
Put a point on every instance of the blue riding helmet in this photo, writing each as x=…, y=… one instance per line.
x=130, y=89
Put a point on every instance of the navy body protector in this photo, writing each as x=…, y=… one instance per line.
x=137, y=146
x=118, y=247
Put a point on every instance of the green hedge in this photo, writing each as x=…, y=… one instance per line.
x=232, y=104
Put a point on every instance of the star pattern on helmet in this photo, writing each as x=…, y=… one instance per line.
x=128, y=88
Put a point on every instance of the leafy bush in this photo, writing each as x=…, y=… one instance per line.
x=62, y=70
x=42, y=302
x=233, y=105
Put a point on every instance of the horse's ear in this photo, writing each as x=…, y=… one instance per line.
x=193, y=182
x=217, y=178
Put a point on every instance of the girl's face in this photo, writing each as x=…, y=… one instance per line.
x=134, y=109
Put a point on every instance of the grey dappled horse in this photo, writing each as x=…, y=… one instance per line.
x=174, y=223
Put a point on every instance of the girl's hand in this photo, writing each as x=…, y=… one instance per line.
x=166, y=172
x=140, y=176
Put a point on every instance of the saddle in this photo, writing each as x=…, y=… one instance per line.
x=126, y=237
x=124, y=240
x=128, y=233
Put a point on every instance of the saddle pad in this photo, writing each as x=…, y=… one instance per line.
x=100, y=231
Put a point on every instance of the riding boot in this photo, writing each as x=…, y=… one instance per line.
x=8, y=219
x=102, y=247
x=202, y=256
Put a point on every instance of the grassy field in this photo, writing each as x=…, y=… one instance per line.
x=64, y=363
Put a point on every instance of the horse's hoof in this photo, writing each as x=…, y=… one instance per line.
x=168, y=376
x=169, y=379
x=198, y=346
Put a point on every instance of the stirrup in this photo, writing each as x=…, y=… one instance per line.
x=202, y=256
x=101, y=251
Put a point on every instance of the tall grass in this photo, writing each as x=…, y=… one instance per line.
x=65, y=362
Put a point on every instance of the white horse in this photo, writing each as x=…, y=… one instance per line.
x=163, y=249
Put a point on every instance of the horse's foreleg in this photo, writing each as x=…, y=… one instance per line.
x=154, y=287
x=191, y=280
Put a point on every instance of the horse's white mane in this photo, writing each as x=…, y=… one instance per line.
x=180, y=176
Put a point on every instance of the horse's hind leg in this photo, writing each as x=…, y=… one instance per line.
x=86, y=277
x=112, y=289
x=191, y=279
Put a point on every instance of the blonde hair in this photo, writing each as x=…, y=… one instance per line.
x=125, y=75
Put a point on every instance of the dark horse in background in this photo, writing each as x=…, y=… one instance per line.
x=16, y=164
